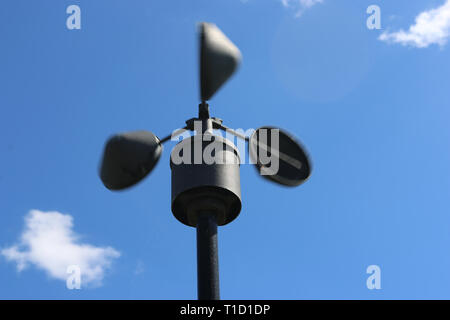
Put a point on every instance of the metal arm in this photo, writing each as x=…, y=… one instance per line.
x=174, y=134
x=288, y=159
x=217, y=124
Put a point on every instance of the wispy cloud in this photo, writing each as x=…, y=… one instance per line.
x=431, y=27
x=300, y=5
x=140, y=268
x=49, y=243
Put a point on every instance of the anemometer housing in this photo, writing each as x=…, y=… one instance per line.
x=199, y=186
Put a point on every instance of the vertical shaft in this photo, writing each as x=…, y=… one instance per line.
x=207, y=258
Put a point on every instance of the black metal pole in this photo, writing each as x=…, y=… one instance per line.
x=207, y=258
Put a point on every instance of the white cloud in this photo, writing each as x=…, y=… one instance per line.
x=431, y=27
x=300, y=5
x=49, y=243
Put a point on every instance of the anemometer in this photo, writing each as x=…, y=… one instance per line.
x=206, y=193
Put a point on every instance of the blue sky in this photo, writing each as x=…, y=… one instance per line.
x=371, y=106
